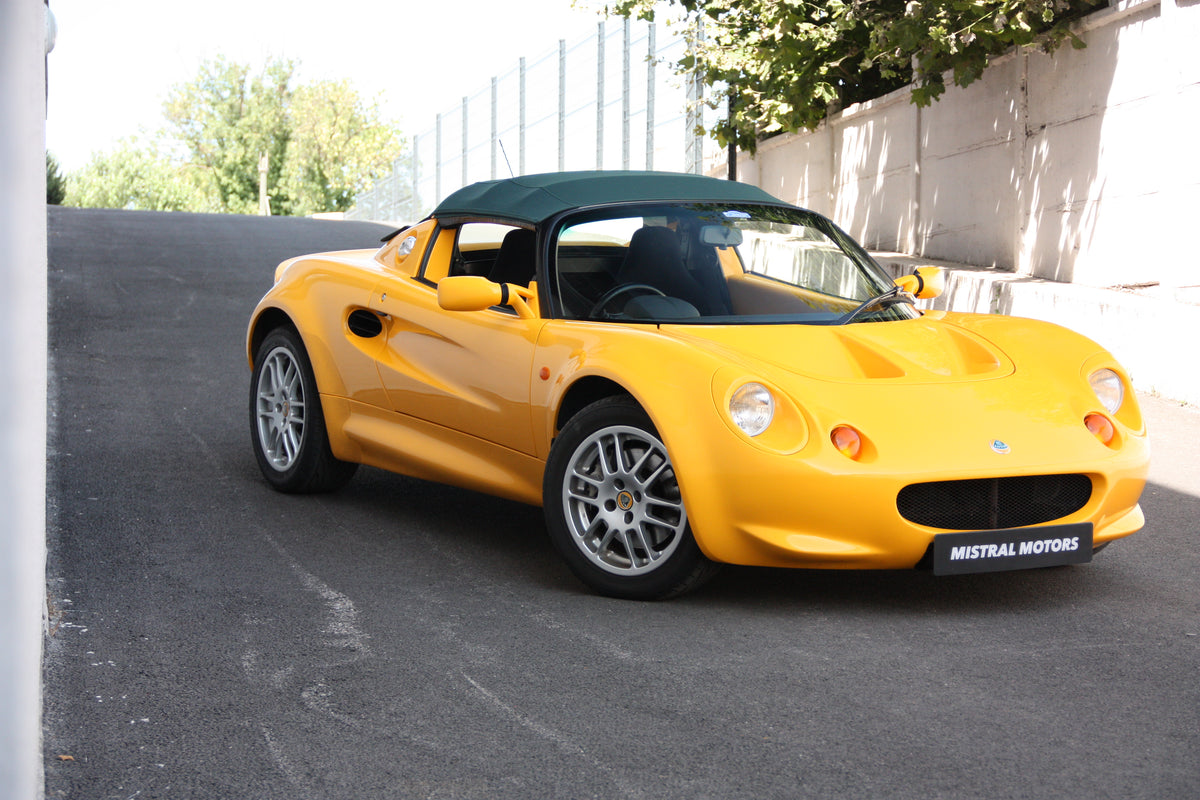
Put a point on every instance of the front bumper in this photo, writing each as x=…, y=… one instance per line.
x=816, y=508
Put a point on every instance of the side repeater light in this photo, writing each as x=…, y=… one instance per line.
x=847, y=440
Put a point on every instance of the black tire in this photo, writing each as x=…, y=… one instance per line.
x=287, y=426
x=613, y=508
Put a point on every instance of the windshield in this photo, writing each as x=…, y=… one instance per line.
x=717, y=264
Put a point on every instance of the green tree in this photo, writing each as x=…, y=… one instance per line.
x=56, y=184
x=135, y=175
x=784, y=65
x=322, y=143
x=338, y=144
x=229, y=119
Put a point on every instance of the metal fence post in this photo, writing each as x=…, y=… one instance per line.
x=625, y=99
x=693, y=142
x=414, y=202
x=495, y=129
x=562, y=104
x=521, y=118
x=437, y=163
x=397, y=195
x=651, y=65
x=466, y=133
x=600, y=95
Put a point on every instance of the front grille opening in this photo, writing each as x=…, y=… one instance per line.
x=994, y=503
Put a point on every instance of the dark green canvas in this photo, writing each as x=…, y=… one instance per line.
x=535, y=198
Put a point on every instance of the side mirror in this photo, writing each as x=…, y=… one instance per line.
x=476, y=293
x=925, y=283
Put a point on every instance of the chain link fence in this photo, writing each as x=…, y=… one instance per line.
x=609, y=101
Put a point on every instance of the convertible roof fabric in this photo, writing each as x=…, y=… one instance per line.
x=536, y=198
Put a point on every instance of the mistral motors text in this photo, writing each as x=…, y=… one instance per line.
x=978, y=551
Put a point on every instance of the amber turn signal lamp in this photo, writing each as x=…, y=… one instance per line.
x=1101, y=427
x=847, y=440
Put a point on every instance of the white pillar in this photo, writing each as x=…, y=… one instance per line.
x=23, y=403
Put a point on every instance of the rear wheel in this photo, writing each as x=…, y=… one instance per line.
x=613, y=507
x=286, y=423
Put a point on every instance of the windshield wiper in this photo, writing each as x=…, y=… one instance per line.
x=888, y=298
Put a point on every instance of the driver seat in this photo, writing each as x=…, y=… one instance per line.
x=515, y=260
x=655, y=259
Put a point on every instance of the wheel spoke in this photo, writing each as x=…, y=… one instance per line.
x=605, y=543
x=291, y=442
x=623, y=537
x=292, y=385
x=273, y=443
x=578, y=476
x=635, y=468
x=644, y=545
x=609, y=467
x=652, y=478
x=657, y=504
x=277, y=366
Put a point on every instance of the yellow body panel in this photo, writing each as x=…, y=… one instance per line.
x=473, y=398
x=796, y=500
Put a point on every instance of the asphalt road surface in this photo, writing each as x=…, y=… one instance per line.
x=213, y=639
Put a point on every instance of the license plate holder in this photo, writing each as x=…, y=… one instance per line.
x=1012, y=548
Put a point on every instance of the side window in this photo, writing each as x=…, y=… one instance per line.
x=467, y=249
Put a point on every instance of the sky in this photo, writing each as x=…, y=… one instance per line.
x=114, y=61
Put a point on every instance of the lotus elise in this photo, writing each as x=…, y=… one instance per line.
x=683, y=372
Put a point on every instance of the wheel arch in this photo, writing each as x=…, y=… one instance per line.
x=582, y=393
x=261, y=326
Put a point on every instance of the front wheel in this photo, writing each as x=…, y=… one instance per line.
x=286, y=423
x=613, y=507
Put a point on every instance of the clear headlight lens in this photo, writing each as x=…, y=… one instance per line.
x=1108, y=388
x=752, y=407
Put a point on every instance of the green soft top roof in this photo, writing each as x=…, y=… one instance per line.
x=536, y=198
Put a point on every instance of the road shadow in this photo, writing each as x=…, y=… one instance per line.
x=508, y=540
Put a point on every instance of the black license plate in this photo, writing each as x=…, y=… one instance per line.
x=1012, y=548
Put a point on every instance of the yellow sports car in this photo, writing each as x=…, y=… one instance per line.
x=684, y=371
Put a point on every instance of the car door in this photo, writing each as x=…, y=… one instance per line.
x=467, y=371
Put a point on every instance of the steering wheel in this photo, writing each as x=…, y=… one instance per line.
x=619, y=290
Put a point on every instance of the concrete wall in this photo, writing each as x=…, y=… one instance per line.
x=1152, y=334
x=1081, y=167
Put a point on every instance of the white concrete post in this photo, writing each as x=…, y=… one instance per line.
x=23, y=43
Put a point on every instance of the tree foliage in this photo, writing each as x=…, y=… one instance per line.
x=135, y=175
x=784, y=65
x=338, y=145
x=321, y=144
x=56, y=184
x=229, y=119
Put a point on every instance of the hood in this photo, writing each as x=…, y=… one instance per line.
x=923, y=350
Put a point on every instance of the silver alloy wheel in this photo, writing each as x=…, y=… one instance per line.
x=281, y=409
x=622, y=502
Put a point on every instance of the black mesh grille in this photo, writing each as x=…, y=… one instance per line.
x=994, y=503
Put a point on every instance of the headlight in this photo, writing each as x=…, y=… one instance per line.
x=752, y=408
x=1108, y=388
